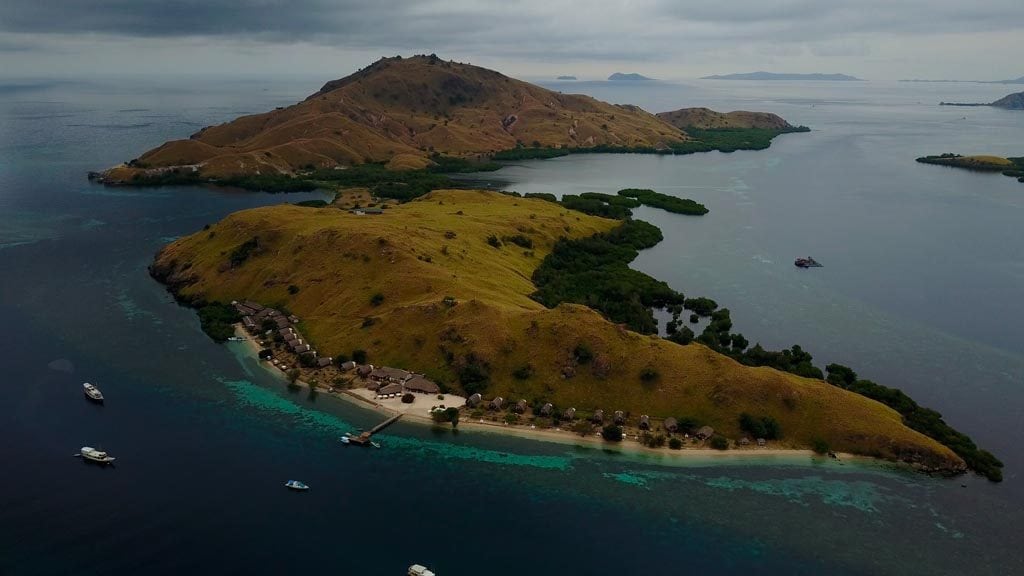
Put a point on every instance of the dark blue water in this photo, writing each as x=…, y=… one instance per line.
x=205, y=437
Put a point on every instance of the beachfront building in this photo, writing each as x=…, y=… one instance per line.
x=645, y=422
x=364, y=370
x=705, y=432
x=569, y=414
x=349, y=365
x=670, y=425
x=390, y=375
x=547, y=409
x=619, y=418
x=598, y=417
x=389, y=389
x=419, y=383
x=496, y=404
x=323, y=361
x=474, y=400
x=520, y=407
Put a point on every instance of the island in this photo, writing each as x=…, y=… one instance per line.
x=526, y=308
x=1012, y=167
x=784, y=76
x=565, y=78
x=1013, y=101
x=629, y=77
x=404, y=114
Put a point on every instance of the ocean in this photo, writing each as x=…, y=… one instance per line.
x=920, y=290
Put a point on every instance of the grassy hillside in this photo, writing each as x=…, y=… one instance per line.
x=400, y=110
x=707, y=119
x=445, y=282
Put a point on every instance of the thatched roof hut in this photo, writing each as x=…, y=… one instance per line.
x=496, y=404
x=346, y=366
x=670, y=425
x=619, y=417
x=420, y=384
x=569, y=414
x=323, y=361
x=474, y=400
x=520, y=407
x=705, y=432
x=364, y=370
x=598, y=416
x=547, y=409
x=393, y=388
x=645, y=422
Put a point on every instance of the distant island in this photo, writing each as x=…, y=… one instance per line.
x=630, y=77
x=1012, y=167
x=1013, y=101
x=415, y=115
x=1012, y=81
x=565, y=78
x=778, y=76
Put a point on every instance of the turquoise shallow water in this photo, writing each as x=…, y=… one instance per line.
x=205, y=437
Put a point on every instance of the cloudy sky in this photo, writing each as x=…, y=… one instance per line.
x=671, y=39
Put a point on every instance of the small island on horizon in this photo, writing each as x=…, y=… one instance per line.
x=1013, y=101
x=565, y=78
x=784, y=76
x=629, y=77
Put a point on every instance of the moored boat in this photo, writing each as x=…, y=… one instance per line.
x=344, y=439
x=93, y=455
x=92, y=393
x=419, y=570
x=806, y=263
x=296, y=485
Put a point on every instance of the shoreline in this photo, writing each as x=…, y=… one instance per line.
x=628, y=446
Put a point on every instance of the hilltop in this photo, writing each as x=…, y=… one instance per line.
x=442, y=285
x=784, y=76
x=706, y=119
x=400, y=111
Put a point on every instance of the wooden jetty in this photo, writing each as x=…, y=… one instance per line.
x=364, y=438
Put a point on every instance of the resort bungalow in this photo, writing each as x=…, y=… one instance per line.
x=286, y=332
x=474, y=400
x=547, y=409
x=364, y=371
x=598, y=417
x=252, y=305
x=520, y=407
x=496, y=404
x=282, y=322
x=645, y=422
x=744, y=441
x=619, y=417
x=670, y=425
x=388, y=374
x=761, y=442
x=420, y=384
x=323, y=361
x=389, y=389
x=569, y=414
x=301, y=349
x=705, y=432
x=248, y=323
x=346, y=366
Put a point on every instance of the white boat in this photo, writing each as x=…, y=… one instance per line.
x=94, y=455
x=375, y=445
x=419, y=570
x=296, y=485
x=92, y=393
x=236, y=339
x=344, y=439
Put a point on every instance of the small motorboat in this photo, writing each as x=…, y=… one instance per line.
x=236, y=339
x=296, y=485
x=419, y=570
x=806, y=263
x=92, y=393
x=344, y=440
x=98, y=456
x=375, y=445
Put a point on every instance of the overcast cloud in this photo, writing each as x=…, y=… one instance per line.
x=882, y=39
